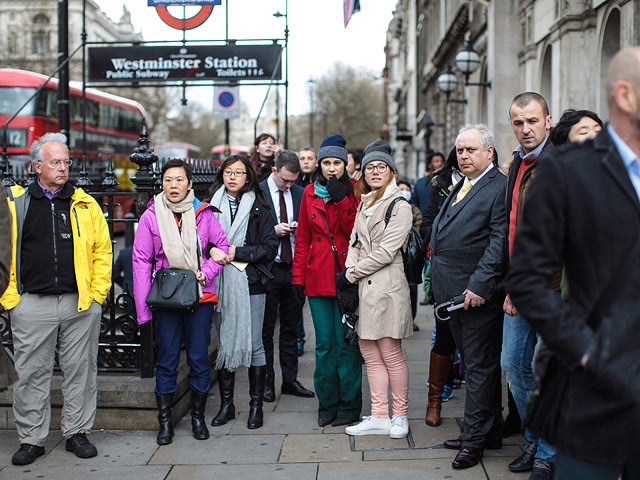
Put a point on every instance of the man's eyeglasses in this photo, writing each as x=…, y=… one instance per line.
x=381, y=168
x=234, y=173
x=57, y=163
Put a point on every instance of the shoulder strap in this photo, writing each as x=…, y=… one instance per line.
x=333, y=247
x=387, y=215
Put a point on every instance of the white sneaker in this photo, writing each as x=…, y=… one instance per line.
x=399, y=427
x=370, y=426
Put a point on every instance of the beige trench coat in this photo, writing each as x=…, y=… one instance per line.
x=374, y=261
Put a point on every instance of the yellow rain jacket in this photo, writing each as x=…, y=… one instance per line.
x=92, y=252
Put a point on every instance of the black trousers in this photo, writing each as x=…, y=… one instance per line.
x=478, y=336
x=280, y=300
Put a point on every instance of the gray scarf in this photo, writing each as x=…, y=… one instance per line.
x=232, y=287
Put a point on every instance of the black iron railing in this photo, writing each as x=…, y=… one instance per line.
x=124, y=346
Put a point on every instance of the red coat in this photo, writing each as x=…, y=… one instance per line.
x=314, y=264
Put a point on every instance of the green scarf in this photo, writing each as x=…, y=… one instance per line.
x=321, y=191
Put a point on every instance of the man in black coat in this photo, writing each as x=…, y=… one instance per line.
x=467, y=239
x=281, y=302
x=583, y=212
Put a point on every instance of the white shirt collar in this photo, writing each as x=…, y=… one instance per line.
x=475, y=180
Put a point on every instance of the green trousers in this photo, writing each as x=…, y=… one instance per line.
x=338, y=374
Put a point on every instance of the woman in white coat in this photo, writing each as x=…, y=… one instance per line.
x=374, y=262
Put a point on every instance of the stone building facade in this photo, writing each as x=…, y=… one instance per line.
x=559, y=48
x=29, y=33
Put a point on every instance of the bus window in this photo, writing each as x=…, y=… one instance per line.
x=12, y=98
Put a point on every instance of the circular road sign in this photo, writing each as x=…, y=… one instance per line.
x=185, y=23
x=226, y=99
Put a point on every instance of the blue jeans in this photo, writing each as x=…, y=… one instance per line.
x=170, y=326
x=518, y=346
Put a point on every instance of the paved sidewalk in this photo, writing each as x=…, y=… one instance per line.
x=290, y=445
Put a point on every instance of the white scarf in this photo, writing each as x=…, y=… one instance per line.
x=180, y=245
x=366, y=199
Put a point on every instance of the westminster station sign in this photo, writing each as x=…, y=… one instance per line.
x=167, y=63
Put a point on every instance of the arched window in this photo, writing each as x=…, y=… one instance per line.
x=546, y=85
x=41, y=19
x=610, y=45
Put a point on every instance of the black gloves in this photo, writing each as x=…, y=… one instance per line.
x=336, y=189
x=298, y=293
x=346, y=293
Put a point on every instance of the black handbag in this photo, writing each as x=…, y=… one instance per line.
x=175, y=289
x=349, y=319
x=413, y=257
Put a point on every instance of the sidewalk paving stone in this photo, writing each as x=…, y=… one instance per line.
x=279, y=423
x=307, y=471
x=227, y=449
x=83, y=472
x=318, y=448
x=432, y=469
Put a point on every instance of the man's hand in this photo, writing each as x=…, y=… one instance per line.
x=283, y=229
x=509, y=308
x=472, y=300
x=232, y=253
x=219, y=256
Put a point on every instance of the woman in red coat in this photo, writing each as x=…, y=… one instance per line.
x=330, y=203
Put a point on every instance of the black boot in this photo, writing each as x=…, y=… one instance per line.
x=165, y=419
x=256, y=391
x=198, y=425
x=226, y=382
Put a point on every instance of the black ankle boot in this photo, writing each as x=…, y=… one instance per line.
x=165, y=419
x=198, y=425
x=256, y=390
x=226, y=382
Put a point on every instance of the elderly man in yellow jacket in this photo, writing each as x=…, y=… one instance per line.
x=60, y=275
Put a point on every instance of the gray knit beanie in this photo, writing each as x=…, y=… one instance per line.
x=333, y=146
x=378, y=150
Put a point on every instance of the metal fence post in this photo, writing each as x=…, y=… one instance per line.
x=144, y=180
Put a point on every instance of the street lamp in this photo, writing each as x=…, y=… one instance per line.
x=447, y=83
x=311, y=81
x=467, y=61
x=286, y=67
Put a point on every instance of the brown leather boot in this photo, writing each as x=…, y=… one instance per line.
x=439, y=366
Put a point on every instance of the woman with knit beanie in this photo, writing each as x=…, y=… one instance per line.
x=327, y=212
x=375, y=264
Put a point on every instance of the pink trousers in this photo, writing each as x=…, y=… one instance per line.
x=386, y=364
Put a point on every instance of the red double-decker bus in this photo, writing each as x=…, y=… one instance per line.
x=113, y=125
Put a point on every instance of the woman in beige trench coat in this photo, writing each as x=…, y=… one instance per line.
x=374, y=262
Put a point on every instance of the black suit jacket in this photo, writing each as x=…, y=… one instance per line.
x=296, y=196
x=467, y=241
x=583, y=211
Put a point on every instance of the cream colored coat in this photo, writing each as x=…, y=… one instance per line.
x=374, y=261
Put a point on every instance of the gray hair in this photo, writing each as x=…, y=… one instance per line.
x=486, y=135
x=51, y=137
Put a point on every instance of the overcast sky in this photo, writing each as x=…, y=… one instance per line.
x=317, y=37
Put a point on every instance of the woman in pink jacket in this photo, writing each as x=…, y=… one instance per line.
x=173, y=232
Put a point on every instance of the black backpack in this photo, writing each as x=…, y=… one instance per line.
x=413, y=256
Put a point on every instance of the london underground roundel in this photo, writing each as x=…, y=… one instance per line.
x=185, y=23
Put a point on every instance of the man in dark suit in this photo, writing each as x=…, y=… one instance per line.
x=583, y=212
x=285, y=197
x=467, y=239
